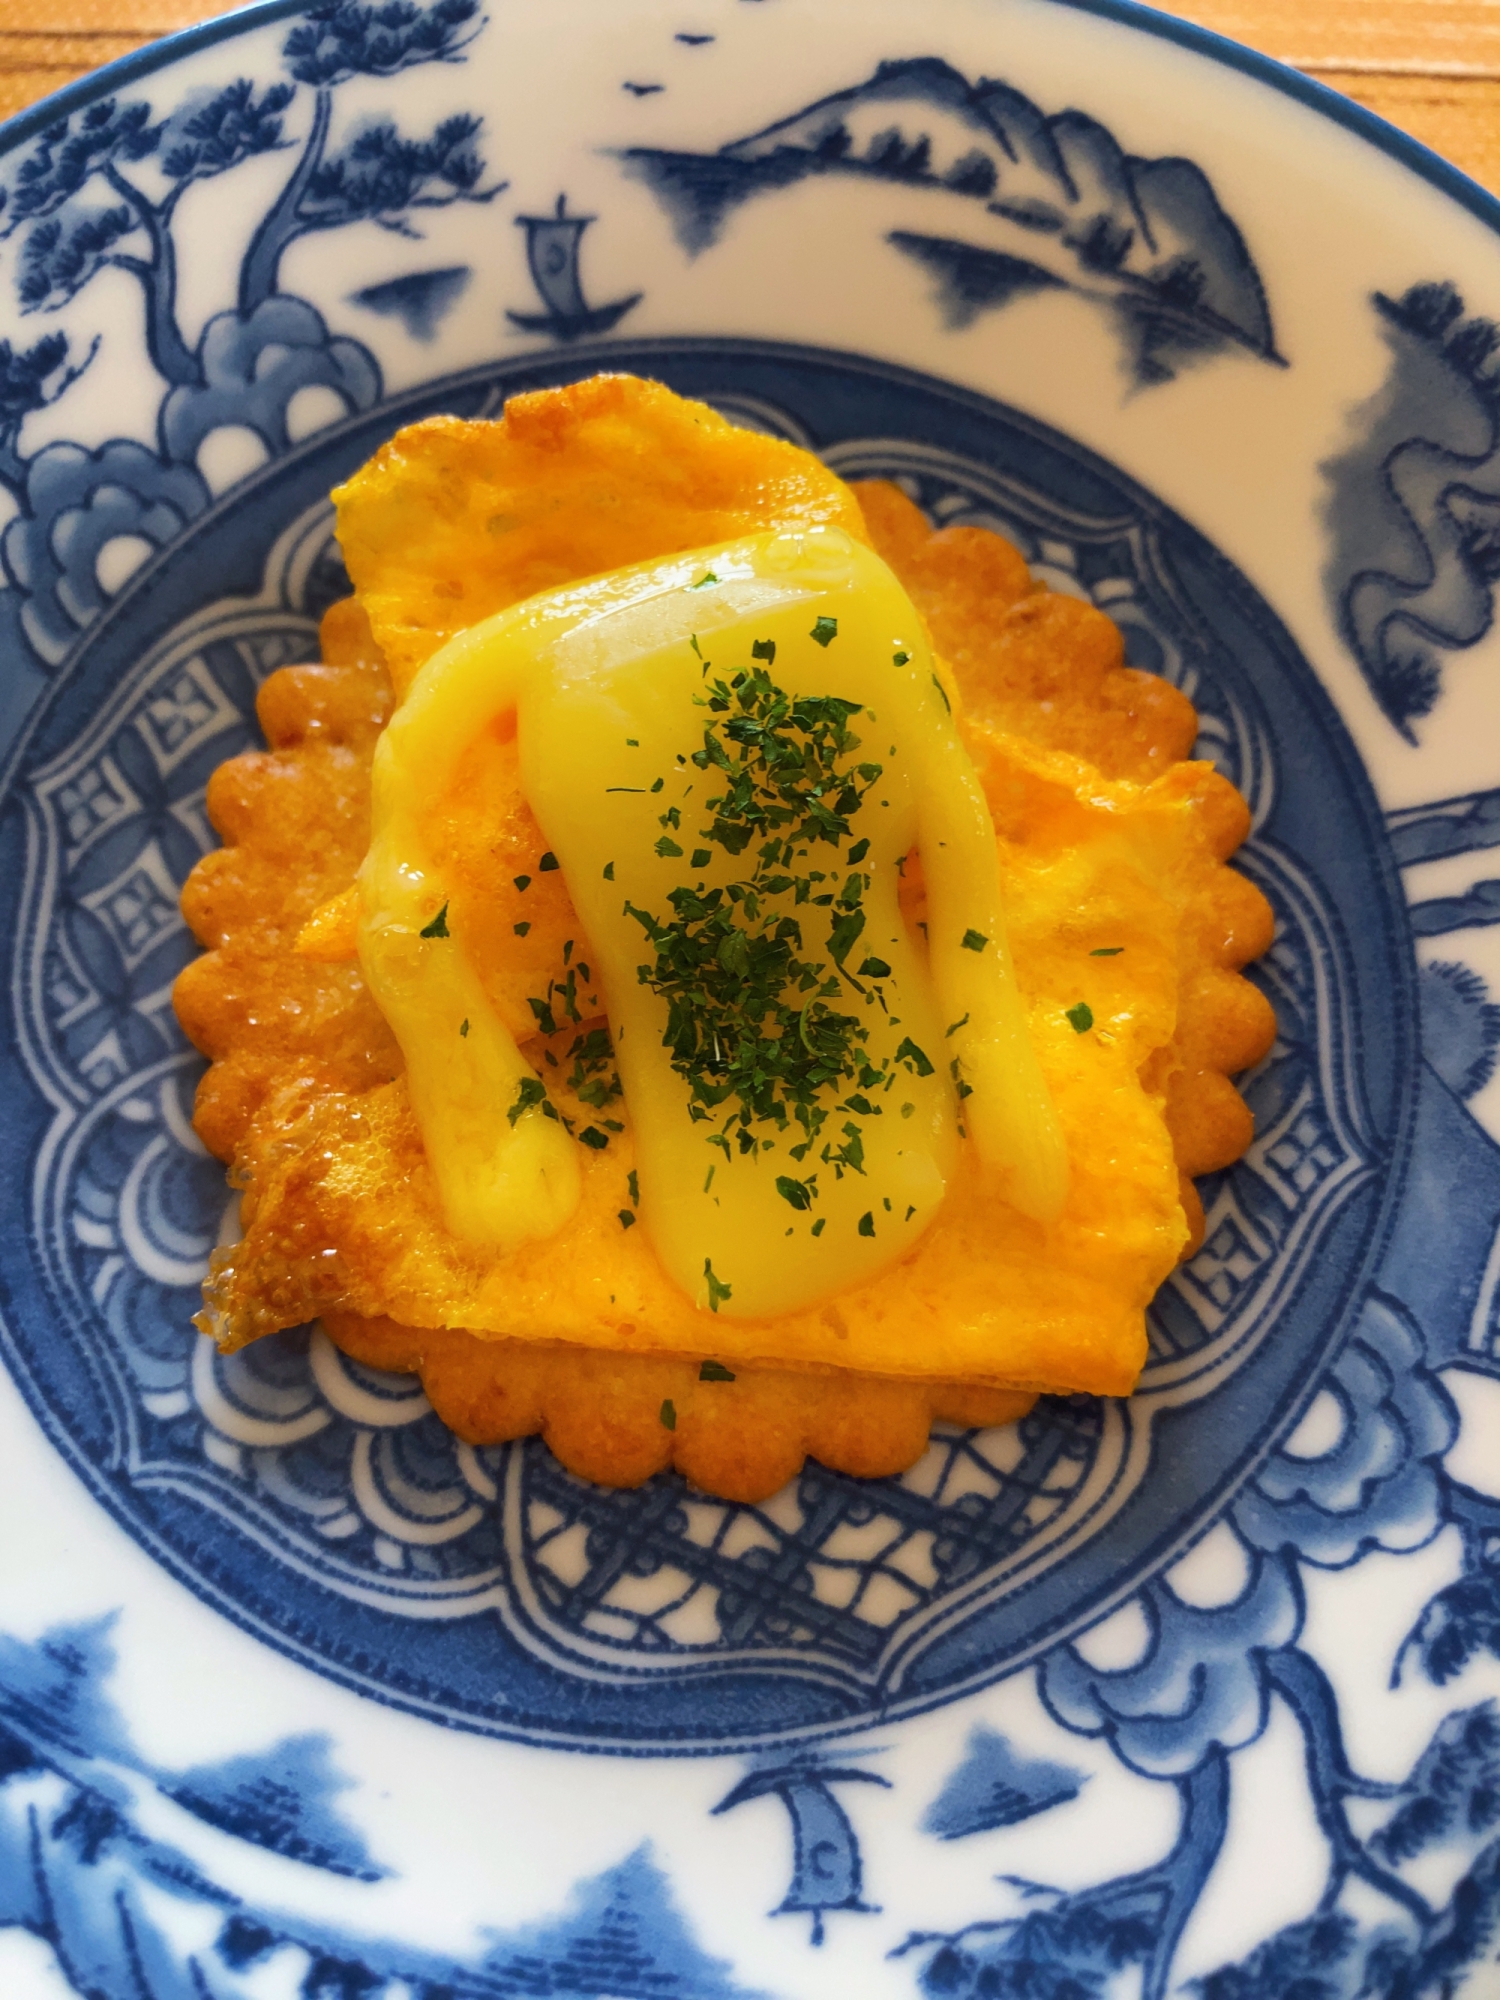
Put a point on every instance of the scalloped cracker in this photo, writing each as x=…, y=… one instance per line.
x=1126, y=928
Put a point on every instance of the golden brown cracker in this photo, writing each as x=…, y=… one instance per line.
x=1029, y=662
x=620, y=1418
x=294, y=819
x=303, y=1062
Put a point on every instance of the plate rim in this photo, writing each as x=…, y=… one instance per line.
x=1429, y=165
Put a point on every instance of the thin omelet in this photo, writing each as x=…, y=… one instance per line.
x=1126, y=932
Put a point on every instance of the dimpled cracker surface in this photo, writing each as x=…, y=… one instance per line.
x=582, y=1338
x=601, y=1413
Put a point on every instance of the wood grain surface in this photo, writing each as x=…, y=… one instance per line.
x=1430, y=66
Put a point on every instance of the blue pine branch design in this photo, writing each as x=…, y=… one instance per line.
x=1450, y=1797
x=1072, y=1948
x=1454, y=1789
x=1463, y=1620
x=100, y=190
x=340, y=39
x=71, y=152
x=79, y=209
x=1303, y=1685
x=70, y=239
x=31, y=378
x=380, y=176
x=235, y=125
x=1330, y=1957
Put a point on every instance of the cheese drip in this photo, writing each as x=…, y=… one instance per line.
x=631, y=722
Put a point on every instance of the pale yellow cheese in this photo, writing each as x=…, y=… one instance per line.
x=607, y=681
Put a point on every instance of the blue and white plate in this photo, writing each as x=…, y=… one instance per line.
x=1191, y=1694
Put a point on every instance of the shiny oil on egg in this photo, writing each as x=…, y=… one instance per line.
x=733, y=755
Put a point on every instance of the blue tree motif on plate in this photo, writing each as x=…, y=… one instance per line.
x=77, y=208
x=1460, y=1022
x=30, y=379
x=1020, y=202
x=1068, y=1946
x=1363, y=1473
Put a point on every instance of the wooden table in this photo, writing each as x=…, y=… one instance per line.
x=1430, y=66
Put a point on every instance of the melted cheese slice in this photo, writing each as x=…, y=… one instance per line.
x=607, y=684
